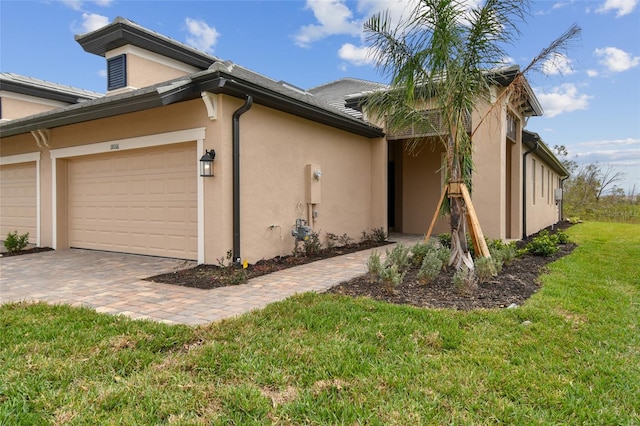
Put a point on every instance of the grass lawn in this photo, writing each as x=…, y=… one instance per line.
x=570, y=355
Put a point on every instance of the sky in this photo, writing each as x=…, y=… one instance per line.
x=590, y=95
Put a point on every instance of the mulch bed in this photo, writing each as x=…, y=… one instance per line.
x=514, y=285
x=27, y=251
x=213, y=276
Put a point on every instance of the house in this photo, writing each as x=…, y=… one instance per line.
x=121, y=171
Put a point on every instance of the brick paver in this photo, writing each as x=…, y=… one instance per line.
x=113, y=283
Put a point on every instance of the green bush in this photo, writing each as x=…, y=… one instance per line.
x=430, y=267
x=374, y=266
x=14, y=242
x=312, y=245
x=377, y=235
x=399, y=257
x=543, y=244
x=444, y=254
x=420, y=250
x=486, y=268
x=445, y=240
x=562, y=237
x=464, y=280
x=391, y=277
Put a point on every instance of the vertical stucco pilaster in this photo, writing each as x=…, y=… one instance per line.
x=45, y=205
x=379, y=165
x=489, y=157
x=218, y=190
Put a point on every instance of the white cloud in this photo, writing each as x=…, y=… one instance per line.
x=622, y=7
x=91, y=22
x=592, y=73
x=78, y=4
x=557, y=64
x=616, y=60
x=201, y=35
x=356, y=55
x=333, y=16
x=564, y=98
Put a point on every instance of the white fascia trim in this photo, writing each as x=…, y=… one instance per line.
x=20, y=158
x=28, y=158
x=32, y=99
x=200, y=179
x=151, y=56
x=130, y=143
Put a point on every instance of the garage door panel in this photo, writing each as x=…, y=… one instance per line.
x=139, y=201
x=18, y=199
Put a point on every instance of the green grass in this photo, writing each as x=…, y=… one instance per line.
x=571, y=355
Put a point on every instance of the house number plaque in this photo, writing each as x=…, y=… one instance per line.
x=115, y=146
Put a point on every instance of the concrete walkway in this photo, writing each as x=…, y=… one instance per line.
x=113, y=283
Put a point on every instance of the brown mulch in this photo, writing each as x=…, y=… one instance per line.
x=27, y=251
x=514, y=285
x=214, y=276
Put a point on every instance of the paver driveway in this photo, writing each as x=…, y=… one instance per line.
x=113, y=283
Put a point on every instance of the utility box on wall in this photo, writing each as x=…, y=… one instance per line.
x=314, y=179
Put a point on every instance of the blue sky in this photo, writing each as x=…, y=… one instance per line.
x=592, y=107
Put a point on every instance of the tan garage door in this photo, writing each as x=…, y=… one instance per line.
x=18, y=194
x=141, y=201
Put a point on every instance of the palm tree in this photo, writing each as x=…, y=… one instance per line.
x=446, y=55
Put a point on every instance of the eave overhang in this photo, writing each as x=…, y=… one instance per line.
x=42, y=92
x=123, y=32
x=184, y=90
x=531, y=139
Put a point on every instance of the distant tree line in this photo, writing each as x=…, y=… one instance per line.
x=592, y=192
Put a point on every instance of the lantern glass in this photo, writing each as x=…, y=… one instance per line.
x=206, y=163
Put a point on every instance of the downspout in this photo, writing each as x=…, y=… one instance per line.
x=562, y=201
x=524, y=189
x=236, y=177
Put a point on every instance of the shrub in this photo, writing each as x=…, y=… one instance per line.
x=445, y=240
x=486, y=268
x=391, y=277
x=398, y=257
x=430, y=267
x=312, y=245
x=444, y=254
x=464, y=280
x=377, y=235
x=543, y=245
x=420, y=250
x=331, y=240
x=374, y=266
x=562, y=237
x=14, y=242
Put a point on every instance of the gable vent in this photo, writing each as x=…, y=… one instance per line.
x=117, y=72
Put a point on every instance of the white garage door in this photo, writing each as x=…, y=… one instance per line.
x=18, y=192
x=141, y=201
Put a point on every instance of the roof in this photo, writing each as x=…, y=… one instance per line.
x=534, y=142
x=216, y=76
x=501, y=77
x=336, y=92
x=222, y=77
x=122, y=32
x=16, y=83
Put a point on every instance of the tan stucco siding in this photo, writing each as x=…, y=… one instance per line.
x=542, y=181
x=422, y=186
x=143, y=72
x=275, y=151
x=13, y=109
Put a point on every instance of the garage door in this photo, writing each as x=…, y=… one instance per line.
x=141, y=201
x=18, y=192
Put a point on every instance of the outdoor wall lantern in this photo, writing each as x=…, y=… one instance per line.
x=206, y=163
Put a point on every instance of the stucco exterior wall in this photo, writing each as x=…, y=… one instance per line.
x=542, y=181
x=275, y=149
x=23, y=106
x=421, y=189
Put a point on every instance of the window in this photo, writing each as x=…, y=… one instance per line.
x=117, y=72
